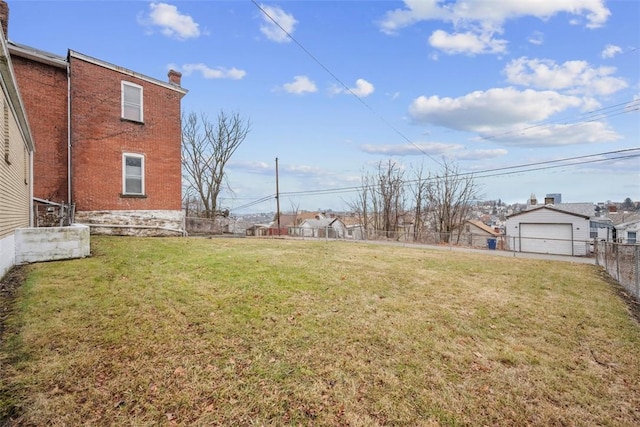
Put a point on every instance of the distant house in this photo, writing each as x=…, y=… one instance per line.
x=548, y=230
x=354, y=226
x=16, y=158
x=332, y=228
x=257, y=230
x=477, y=234
x=108, y=140
x=628, y=232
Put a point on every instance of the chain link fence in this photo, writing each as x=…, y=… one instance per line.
x=622, y=262
x=471, y=240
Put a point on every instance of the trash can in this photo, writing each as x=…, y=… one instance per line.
x=491, y=243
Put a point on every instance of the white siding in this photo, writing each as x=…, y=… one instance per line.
x=14, y=175
x=546, y=238
x=565, y=234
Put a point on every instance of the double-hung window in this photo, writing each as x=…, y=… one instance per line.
x=132, y=174
x=132, y=102
x=631, y=238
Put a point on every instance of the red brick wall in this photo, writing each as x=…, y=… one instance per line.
x=44, y=92
x=100, y=137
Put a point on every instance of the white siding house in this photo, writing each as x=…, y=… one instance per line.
x=332, y=228
x=548, y=230
x=628, y=232
x=16, y=151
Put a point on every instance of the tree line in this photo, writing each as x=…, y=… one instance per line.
x=391, y=197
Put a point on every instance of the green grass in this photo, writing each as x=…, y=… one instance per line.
x=277, y=332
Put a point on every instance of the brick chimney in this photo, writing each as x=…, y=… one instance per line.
x=174, y=77
x=4, y=18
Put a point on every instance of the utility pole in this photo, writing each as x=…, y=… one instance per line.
x=277, y=198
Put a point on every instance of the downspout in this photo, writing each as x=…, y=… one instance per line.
x=32, y=213
x=69, y=198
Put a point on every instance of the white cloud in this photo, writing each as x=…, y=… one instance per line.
x=467, y=42
x=478, y=154
x=611, y=50
x=300, y=85
x=490, y=13
x=536, y=38
x=575, y=77
x=431, y=148
x=213, y=73
x=303, y=170
x=451, y=151
x=476, y=22
x=362, y=89
x=557, y=135
x=490, y=111
x=273, y=31
x=172, y=23
x=261, y=168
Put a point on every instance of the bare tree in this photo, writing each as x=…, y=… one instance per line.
x=360, y=206
x=450, y=195
x=380, y=201
x=420, y=201
x=390, y=191
x=206, y=149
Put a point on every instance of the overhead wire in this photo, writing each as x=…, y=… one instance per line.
x=591, y=116
x=627, y=153
x=344, y=86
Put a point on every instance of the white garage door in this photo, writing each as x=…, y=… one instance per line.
x=546, y=238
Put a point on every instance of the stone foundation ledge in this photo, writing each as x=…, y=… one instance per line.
x=133, y=223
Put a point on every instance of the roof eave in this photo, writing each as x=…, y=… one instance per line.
x=125, y=71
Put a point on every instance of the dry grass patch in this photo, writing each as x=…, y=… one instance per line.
x=273, y=332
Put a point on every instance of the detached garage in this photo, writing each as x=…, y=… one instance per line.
x=548, y=230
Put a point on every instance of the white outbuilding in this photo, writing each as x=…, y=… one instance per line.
x=548, y=230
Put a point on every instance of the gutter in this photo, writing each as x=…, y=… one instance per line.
x=69, y=198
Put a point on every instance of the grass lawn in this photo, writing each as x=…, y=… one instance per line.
x=278, y=332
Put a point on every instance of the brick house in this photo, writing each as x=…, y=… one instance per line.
x=108, y=140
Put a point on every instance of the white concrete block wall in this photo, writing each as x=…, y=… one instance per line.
x=51, y=243
x=7, y=253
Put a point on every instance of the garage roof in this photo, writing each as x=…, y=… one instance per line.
x=551, y=208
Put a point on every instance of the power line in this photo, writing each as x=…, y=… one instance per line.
x=591, y=116
x=347, y=88
x=486, y=173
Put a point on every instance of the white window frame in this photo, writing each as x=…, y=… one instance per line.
x=140, y=105
x=632, y=237
x=125, y=156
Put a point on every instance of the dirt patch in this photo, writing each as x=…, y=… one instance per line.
x=9, y=285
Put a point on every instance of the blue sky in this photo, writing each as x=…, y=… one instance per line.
x=486, y=84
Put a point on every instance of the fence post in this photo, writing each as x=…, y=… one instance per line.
x=618, y=263
x=637, y=251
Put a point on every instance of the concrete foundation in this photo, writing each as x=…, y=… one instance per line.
x=51, y=243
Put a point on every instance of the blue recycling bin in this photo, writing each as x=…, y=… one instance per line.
x=491, y=243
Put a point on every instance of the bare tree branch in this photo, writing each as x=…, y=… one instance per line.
x=206, y=149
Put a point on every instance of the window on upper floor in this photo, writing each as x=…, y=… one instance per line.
x=132, y=102
x=132, y=174
x=631, y=237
